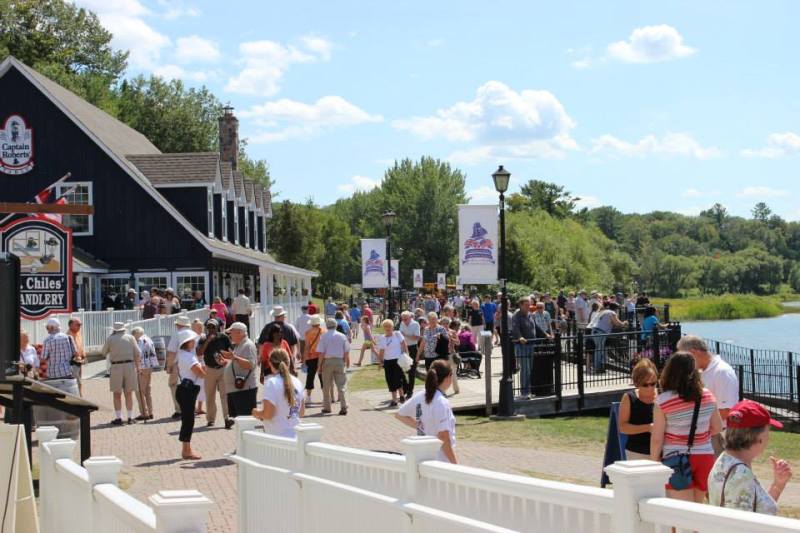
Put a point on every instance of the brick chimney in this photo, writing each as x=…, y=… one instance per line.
x=228, y=136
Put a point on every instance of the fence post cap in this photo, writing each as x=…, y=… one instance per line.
x=60, y=448
x=309, y=432
x=103, y=469
x=180, y=510
x=46, y=434
x=245, y=423
x=639, y=471
x=422, y=448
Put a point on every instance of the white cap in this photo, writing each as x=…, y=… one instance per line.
x=53, y=322
x=238, y=326
x=186, y=335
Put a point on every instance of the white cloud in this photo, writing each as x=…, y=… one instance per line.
x=196, y=49
x=777, y=145
x=692, y=193
x=651, y=44
x=124, y=19
x=501, y=122
x=671, y=144
x=358, y=183
x=483, y=195
x=760, y=191
x=176, y=72
x=583, y=63
x=265, y=63
x=587, y=201
x=284, y=119
x=176, y=9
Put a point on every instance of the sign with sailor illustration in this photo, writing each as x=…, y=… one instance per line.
x=418, y=278
x=441, y=281
x=44, y=248
x=394, y=273
x=16, y=146
x=374, y=267
x=477, y=237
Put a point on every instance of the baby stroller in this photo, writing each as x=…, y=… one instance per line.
x=469, y=364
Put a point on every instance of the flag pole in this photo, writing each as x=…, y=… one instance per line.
x=59, y=180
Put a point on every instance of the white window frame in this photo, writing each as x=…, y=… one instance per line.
x=246, y=228
x=235, y=223
x=210, y=199
x=65, y=186
x=224, y=204
x=147, y=274
x=193, y=273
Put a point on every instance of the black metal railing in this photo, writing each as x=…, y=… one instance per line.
x=583, y=361
x=770, y=377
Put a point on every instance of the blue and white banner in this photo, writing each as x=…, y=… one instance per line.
x=394, y=273
x=477, y=244
x=374, y=269
x=441, y=281
x=418, y=283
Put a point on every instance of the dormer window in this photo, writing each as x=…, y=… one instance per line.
x=210, y=212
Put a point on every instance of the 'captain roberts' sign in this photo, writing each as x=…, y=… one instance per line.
x=16, y=146
x=44, y=248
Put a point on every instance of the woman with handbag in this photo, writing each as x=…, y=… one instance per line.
x=452, y=355
x=311, y=355
x=390, y=345
x=190, y=379
x=685, y=418
x=240, y=374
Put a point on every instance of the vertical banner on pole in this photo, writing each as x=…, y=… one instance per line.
x=394, y=273
x=441, y=281
x=477, y=237
x=374, y=270
x=459, y=285
x=418, y=278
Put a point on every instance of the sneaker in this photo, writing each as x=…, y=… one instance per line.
x=209, y=424
x=131, y=421
x=176, y=414
x=116, y=422
x=343, y=412
x=229, y=423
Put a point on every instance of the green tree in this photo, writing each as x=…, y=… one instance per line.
x=65, y=43
x=255, y=169
x=337, y=264
x=295, y=235
x=537, y=194
x=174, y=118
x=609, y=219
x=761, y=212
x=794, y=277
x=718, y=214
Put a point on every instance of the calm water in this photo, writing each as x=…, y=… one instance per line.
x=778, y=333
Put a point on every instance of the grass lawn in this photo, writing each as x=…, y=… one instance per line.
x=585, y=433
x=724, y=307
x=368, y=377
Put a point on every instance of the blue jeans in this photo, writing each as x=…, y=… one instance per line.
x=524, y=353
x=599, y=359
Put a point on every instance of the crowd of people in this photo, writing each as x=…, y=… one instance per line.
x=687, y=416
x=690, y=418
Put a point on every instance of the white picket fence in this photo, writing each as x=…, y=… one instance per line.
x=86, y=499
x=314, y=486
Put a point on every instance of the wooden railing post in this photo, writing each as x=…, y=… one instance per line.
x=635, y=481
x=417, y=450
x=242, y=424
x=306, y=433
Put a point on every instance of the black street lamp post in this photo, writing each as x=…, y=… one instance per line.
x=388, y=220
x=506, y=406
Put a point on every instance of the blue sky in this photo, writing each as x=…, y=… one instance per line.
x=640, y=105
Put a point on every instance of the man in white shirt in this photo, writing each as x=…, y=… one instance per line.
x=718, y=377
x=302, y=327
x=170, y=365
x=582, y=309
x=411, y=333
x=334, y=350
x=241, y=309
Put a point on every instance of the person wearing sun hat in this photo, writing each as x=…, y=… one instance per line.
x=732, y=482
x=181, y=323
x=124, y=355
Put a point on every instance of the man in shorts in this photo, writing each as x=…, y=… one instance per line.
x=124, y=355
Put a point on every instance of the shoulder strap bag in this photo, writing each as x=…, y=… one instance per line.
x=239, y=381
x=679, y=462
x=725, y=482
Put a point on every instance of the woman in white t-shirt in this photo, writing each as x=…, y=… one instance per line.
x=190, y=379
x=429, y=411
x=283, y=405
x=28, y=358
x=390, y=345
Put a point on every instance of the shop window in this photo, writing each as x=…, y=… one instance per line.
x=77, y=193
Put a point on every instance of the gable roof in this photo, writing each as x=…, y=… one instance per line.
x=226, y=171
x=117, y=139
x=249, y=191
x=266, y=198
x=258, y=193
x=238, y=184
x=195, y=168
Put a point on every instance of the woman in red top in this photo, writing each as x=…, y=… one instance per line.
x=221, y=309
x=275, y=341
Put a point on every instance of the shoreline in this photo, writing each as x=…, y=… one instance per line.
x=727, y=307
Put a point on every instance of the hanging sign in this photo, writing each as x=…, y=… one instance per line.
x=394, y=273
x=374, y=270
x=16, y=146
x=477, y=235
x=418, y=278
x=441, y=281
x=459, y=285
x=44, y=248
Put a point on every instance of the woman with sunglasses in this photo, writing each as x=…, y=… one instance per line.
x=636, y=410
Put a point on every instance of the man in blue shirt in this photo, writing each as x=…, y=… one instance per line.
x=355, y=320
x=489, y=308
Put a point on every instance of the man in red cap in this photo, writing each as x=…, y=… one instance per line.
x=732, y=482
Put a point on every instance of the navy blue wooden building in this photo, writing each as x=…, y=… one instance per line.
x=191, y=221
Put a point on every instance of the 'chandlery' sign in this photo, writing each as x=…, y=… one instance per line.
x=16, y=146
x=44, y=248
